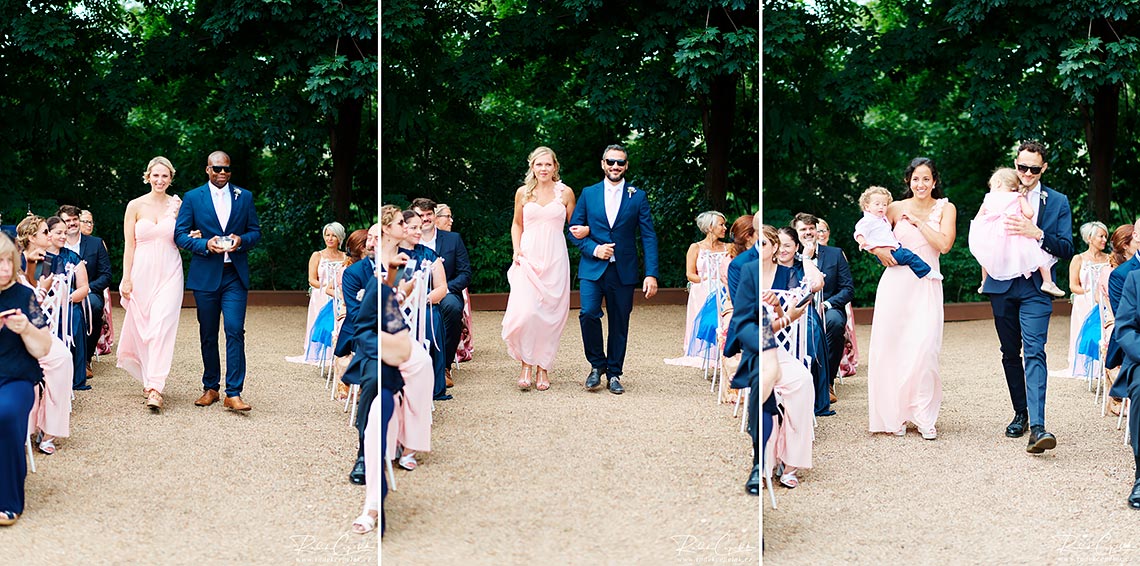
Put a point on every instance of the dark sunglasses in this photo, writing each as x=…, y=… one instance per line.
x=220, y=168
x=618, y=162
x=1028, y=169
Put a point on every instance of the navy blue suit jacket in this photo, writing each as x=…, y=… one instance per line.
x=733, y=273
x=456, y=264
x=1127, y=335
x=352, y=282
x=1114, y=357
x=633, y=215
x=1055, y=219
x=366, y=336
x=838, y=285
x=197, y=213
x=744, y=329
x=93, y=251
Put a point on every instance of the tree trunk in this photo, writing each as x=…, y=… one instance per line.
x=1101, y=137
x=344, y=142
x=719, y=113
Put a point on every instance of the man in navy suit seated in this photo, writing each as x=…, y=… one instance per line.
x=838, y=290
x=93, y=251
x=1127, y=335
x=449, y=246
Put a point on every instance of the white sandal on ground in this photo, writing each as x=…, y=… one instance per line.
x=408, y=461
x=364, y=524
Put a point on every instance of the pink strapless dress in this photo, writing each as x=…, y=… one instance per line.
x=539, y=302
x=150, y=326
x=903, y=381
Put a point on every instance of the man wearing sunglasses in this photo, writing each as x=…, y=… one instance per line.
x=219, y=273
x=94, y=252
x=615, y=211
x=1021, y=309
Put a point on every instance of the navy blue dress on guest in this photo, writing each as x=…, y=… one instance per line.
x=54, y=264
x=19, y=373
x=424, y=258
x=788, y=278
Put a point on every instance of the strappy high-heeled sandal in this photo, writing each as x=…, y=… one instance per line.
x=524, y=381
x=541, y=380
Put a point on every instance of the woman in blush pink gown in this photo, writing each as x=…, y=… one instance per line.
x=903, y=382
x=324, y=269
x=706, y=267
x=151, y=289
x=539, y=275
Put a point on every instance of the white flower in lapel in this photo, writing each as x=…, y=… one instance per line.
x=629, y=192
x=237, y=193
x=1044, y=195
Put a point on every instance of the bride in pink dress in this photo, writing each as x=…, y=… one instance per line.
x=539, y=275
x=903, y=382
x=152, y=283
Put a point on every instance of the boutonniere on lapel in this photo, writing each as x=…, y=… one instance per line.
x=1044, y=195
x=629, y=192
x=237, y=193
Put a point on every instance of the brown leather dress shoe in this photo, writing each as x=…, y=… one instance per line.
x=89, y=372
x=236, y=404
x=831, y=394
x=447, y=378
x=209, y=397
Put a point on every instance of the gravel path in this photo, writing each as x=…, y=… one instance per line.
x=200, y=485
x=972, y=496
x=566, y=476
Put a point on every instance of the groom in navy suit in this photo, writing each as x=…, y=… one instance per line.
x=219, y=273
x=614, y=210
x=1021, y=309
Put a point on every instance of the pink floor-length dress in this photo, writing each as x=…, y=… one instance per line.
x=410, y=425
x=539, y=302
x=698, y=294
x=796, y=432
x=1082, y=306
x=318, y=298
x=51, y=412
x=150, y=326
x=903, y=382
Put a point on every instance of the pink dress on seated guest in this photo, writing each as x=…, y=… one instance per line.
x=51, y=412
x=849, y=363
x=903, y=382
x=696, y=353
x=410, y=426
x=150, y=326
x=466, y=340
x=539, y=302
x=312, y=351
x=795, y=434
x=107, y=334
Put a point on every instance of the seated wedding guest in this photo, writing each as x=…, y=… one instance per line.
x=104, y=339
x=744, y=338
x=1128, y=382
x=62, y=278
x=838, y=290
x=427, y=260
x=1116, y=280
x=51, y=414
x=706, y=266
x=1084, y=273
x=86, y=222
x=796, y=386
x=93, y=251
x=1124, y=247
x=354, y=251
x=324, y=265
x=450, y=247
x=364, y=364
x=396, y=348
x=443, y=221
x=786, y=256
x=23, y=339
x=745, y=233
x=353, y=281
x=849, y=363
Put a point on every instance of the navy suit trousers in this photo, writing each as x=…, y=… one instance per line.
x=228, y=303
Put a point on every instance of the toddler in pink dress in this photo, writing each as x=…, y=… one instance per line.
x=1004, y=256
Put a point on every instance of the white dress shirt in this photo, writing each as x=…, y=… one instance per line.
x=613, y=200
x=222, y=206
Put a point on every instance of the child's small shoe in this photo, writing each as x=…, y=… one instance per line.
x=981, y=286
x=1052, y=289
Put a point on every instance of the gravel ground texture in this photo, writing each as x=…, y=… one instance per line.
x=566, y=476
x=196, y=485
x=972, y=496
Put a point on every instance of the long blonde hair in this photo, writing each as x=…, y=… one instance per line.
x=531, y=182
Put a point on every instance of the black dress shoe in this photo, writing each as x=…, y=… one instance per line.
x=1018, y=425
x=826, y=413
x=1040, y=441
x=594, y=380
x=356, y=476
x=753, y=485
x=1134, y=499
x=615, y=386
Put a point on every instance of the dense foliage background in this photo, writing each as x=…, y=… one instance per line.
x=470, y=88
x=854, y=90
x=94, y=89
